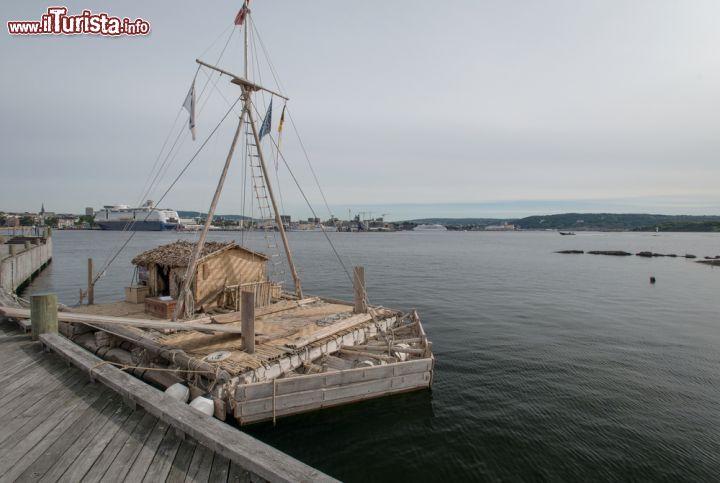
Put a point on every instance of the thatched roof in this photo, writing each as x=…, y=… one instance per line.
x=177, y=254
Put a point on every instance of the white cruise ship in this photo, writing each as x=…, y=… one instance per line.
x=427, y=227
x=145, y=218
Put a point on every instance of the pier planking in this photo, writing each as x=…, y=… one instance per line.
x=55, y=425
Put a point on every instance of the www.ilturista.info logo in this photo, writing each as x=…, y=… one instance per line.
x=57, y=22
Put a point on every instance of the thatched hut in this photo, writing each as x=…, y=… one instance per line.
x=220, y=266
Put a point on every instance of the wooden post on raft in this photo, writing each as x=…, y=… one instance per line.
x=43, y=314
x=248, y=321
x=91, y=284
x=359, y=285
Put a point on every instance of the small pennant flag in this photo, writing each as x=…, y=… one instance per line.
x=282, y=120
x=240, y=17
x=265, y=128
x=189, y=104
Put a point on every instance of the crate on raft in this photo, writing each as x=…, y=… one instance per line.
x=136, y=294
x=160, y=308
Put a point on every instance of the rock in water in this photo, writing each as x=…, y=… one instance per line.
x=617, y=253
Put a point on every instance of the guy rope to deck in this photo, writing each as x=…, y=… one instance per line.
x=58, y=425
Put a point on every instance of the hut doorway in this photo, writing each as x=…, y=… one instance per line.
x=163, y=282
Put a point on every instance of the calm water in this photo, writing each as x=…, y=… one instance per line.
x=549, y=367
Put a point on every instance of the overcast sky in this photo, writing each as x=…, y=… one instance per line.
x=462, y=108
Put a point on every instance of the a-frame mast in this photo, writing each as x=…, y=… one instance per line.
x=197, y=250
x=247, y=88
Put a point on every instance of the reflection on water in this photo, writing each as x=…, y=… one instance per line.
x=555, y=367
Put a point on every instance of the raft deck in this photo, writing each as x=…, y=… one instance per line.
x=309, y=354
x=281, y=329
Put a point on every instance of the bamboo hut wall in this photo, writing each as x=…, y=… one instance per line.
x=153, y=280
x=176, y=277
x=230, y=267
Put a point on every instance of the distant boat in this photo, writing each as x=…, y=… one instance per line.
x=502, y=227
x=144, y=218
x=565, y=233
x=428, y=227
x=313, y=228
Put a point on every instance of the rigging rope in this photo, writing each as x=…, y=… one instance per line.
x=312, y=210
x=280, y=86
x=177, y=178
x=165, y=166
x=278, y=83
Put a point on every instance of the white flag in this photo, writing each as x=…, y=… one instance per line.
x=189, y=104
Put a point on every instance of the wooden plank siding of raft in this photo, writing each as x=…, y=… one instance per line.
x=256, y=402
x=261, y=390
x=226, y=441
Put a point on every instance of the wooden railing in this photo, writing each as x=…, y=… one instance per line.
x=38, y=231
x=265, y=292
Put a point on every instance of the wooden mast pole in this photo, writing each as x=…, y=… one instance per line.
x=247, y=26
x=278, y=219
x=247, y=89
x=192, y=264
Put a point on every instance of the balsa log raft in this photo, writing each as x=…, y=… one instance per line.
x=362, y=328
x=357, y=338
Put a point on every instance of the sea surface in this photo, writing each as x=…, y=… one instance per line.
x=549, y=367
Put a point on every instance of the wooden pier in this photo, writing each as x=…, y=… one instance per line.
x=22, y=257
x=58, y=425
